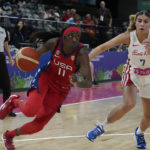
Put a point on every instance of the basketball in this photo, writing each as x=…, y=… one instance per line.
x=27, y=59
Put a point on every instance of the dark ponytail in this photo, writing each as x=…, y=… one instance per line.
x=43, y=35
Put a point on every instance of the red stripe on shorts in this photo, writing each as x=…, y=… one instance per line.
x=126, y=81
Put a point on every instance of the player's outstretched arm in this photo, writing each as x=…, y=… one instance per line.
x=118, y=40
x=84, y=69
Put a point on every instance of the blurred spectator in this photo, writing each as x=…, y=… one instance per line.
x=66, y=15
x=6, y=6
x=105, y=22
x=88, y=20
x=21, y=3
x=70, y=20
x=75, y=19
x=1, y=3
x=89, y=29
x=50, y=14
x=73, y=11
x=104, y=15
x=55, y=15
x=15, y=14
x=1, y=11
x=95, y=20
x=14, y=2
x=46, y=15
x=20, y=34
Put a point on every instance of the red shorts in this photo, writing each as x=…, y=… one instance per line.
x=42, y=103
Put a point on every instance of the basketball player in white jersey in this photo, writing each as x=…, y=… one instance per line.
x=136, y=74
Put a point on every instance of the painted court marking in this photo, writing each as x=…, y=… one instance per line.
x=89, y=101
x=68, y=137
x=78, y=136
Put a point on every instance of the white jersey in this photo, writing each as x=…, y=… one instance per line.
x=2, y=38
x=139, y=61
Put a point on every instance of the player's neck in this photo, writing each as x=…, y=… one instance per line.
x=68, y=49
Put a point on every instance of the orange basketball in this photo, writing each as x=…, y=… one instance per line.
x=27, y=59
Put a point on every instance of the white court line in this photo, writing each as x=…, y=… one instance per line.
x=89, y=101
x=79, y=136
x=101, y=99
x=68, y=137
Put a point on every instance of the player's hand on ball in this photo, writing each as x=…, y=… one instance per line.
x=73, y=79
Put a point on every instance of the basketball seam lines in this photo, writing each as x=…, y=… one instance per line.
x=30, y=59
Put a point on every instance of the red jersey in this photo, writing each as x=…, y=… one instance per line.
x=62, y=66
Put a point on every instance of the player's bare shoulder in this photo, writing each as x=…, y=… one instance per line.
x=82, y=55
x=125, y=37
x=83, y=51
x=51, y=44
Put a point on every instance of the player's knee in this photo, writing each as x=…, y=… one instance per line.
x=27, y=109
x=30, y=112
x=147, y=117
x=129, y=106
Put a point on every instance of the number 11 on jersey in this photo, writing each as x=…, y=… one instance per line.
x=61, y=72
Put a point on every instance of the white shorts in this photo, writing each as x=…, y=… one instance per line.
x=144, y=91
x=129, y=78
x=142, y=84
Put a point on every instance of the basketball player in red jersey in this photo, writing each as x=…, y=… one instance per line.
x=51, y=84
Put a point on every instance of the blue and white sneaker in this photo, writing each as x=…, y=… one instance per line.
x=140, y=141
x=92, y=135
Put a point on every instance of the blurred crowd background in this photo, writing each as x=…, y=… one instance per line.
x=99, y=20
